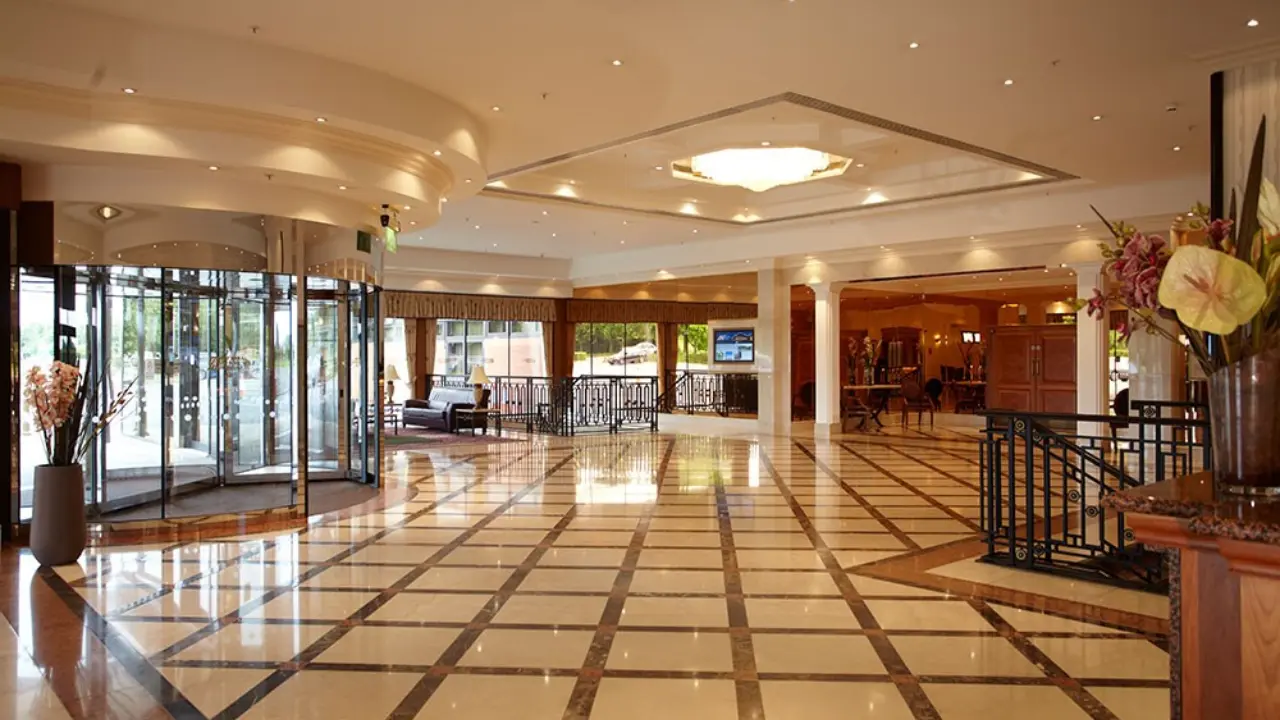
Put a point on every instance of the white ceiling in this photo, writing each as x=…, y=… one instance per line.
x=548, y=65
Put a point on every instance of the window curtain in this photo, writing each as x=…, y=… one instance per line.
x=406, y=304
x=426, y=337
x=549, y=331
x=411, y=358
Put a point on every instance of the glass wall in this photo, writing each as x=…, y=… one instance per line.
x=211, y=356
x=615, y=349
x=693, y=348
x=505, y=348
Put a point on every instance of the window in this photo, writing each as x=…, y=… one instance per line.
x=615, y=349
x=395, y=353
x=691, y=353
x=505, y=349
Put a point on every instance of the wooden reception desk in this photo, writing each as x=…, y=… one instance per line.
x=1224, y=594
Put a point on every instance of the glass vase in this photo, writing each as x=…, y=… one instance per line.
x=1244, y=409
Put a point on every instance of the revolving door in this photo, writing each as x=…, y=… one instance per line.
x=242, y=400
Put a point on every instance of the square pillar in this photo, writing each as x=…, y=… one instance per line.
x=773, y=351
x=826, y=350
x=1091, y=352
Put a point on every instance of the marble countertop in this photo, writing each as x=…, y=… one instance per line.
x=1206, y=511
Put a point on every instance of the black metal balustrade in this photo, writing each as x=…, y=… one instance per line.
x=700, y=391
x=1044, y=475
x=568, y=406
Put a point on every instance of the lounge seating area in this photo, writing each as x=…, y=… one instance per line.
x=440, y=410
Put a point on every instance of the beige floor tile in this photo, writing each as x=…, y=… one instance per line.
x=583, y=557
x=980, y=656
x=1134, y=703
x=674, y=612
x=200, y=602
x=678, y=581
x=487, y=556
x=347, y=695
x=862, y=541
x=932, y=526
x=499, y=697
x=497, y=647
x=372, y=645
x=927, y=615
x=789, y=700
x=211, y=690
x=806, y=613
x=255, y=642
x=768, y=582
x=432, y=607
x=847, y=654
x=576, y=580
x=669, y=538
x=552, y=610
x=644, y=699
x=604, y=523
x=439, y=520
x=680, y=558
x=356, y=576
x=775, y=540
x=301, y=553
x=594, y=538
x=983, y=702
x=1033, y=621
x=677, y=652
x=523, y=522
x=779, y=560
x=825, y=524
x=519, y=538
x=1107, y=658
x=871, y=587
x=773, y=524
x=928, y=541
x=312, y=605
x=459, y=578
x=152, y=637
x=346, y=535
x=395, y=554
x=253, y=574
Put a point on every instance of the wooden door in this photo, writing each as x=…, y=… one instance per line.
x=1056, y=369
x=1011, y=369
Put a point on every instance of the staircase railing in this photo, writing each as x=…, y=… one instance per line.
x=700, y=391
x=1043, y=477
x=568, y=406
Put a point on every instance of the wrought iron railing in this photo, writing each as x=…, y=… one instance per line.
x=700, y=391
x=568, y=406
x=1044, y=475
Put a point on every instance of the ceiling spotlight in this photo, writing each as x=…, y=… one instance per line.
x=413, y=222
x=444, y=199
x=622, y=242
x=406, y=207
x=914, y=45
x=617, y=63
x=573, y=182
x=624, y=222
x=553, y=234
x=1096, y=118
x=128, y=91
x=468, y=181
x=1252, y=23
x=861, y=165
x=1177, y=148
x=477, y=227
x=322, y=120
x=695, y=231
x=495, y=244
x=973, y=237
x=213, y=167
x=882, y=247
x=544, y=212
x=495, y=108
x=658, y=167
x=1079, y=227
x=437, y=153
x=1008, y=82
x=766, y=143
x=342, y=187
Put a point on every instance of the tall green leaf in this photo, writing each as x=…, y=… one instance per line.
x=1248, y=222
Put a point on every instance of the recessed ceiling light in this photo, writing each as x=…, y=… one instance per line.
x=444, y=199
x=1177, y=148
x=413, y=222
x=407, y=207
x=128, y=91
x=617, y=63
x=468, y=181
x=914, y=45
x=973, y=237
x=322, y=120
x=477, y=227
x=624, y=222
x=766, y=143
x=342, y=187
x=495, y=244
x=495, y=108
x=1252, y=23
x=861, y=165
x=553, y=234
x=573, y=182
x=544, y=212
x=1008, y=82
x=882, y=247
x=1079, y=227
x=213, y=167
x=1096, y=118
x=437, y=153
x=658, y=167
x=695, y=231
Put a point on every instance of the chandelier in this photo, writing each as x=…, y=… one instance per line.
x=760, y=169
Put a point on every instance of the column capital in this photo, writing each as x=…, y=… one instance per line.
x=1090, y=266
x=828, y=287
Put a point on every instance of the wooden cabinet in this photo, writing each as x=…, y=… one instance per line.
x=1032, y=368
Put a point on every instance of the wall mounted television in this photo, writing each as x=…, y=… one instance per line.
x=735, y=346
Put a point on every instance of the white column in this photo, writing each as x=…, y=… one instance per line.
x=773, y=352
x=1091, y=352
x=826, y=351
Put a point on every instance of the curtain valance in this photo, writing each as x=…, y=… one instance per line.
x=659, y=311
x=403, y=304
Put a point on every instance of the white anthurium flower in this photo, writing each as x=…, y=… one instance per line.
x=1211, y=291
x=1269, y=209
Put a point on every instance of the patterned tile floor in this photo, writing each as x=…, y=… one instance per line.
x=620, y=578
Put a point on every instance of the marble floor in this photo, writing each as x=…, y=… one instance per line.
x=615, y=578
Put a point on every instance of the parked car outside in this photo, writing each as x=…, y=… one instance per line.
x=634, y=354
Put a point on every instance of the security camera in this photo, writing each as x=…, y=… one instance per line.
x=385, y=217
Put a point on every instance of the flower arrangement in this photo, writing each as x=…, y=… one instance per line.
x=58, y=400
x=1223, y=295
x=870, y=352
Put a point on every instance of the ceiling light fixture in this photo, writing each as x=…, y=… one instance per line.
x=213, y=167
x=1096, y=118
x=765, y=143
x=495, y=108
x=342, y=187
x=477, y=227
x=1008, y=82
x=406, y=207
x=553, y=234
x=544, y=212
x=128, y=91
x=914, y=45
x=437, y=153
x=322, y=120
x=861, y=165
x=658, y=167
x=761, y=169
x=1252, y=23
x=695, y=231
x=617, y=63
x=1177, y=148
x=468, y=181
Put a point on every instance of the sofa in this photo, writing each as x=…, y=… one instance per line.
x=439, y=410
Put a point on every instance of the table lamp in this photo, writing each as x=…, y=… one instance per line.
x=392, y=377
x=478, y=378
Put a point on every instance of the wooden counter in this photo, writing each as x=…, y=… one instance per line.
x=1224, y=597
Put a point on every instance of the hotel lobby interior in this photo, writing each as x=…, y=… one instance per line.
x=730, y=359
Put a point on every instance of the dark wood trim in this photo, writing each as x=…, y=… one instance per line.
x=35, y=230
x=1217, y=183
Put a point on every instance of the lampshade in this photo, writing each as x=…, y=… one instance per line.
x=478, y=376
x=392, y=375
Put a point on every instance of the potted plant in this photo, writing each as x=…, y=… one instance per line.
x=59, y=400
x=1221, y=297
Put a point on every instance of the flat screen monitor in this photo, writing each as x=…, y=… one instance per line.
x=735, y=346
